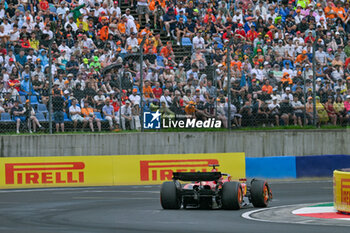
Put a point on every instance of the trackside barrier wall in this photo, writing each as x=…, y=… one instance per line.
x=341, y=190
x=296, y=166
x=68, y=171
x=252, y=143
x=30, y=172
x=271, y=167
x=320, y=165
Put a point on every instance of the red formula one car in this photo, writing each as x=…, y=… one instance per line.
x=213, y=190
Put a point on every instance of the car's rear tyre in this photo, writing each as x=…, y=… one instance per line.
x=259, y=192
x=170, y=197
x=232, y=196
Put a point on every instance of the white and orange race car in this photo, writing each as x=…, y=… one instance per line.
x=213, y=190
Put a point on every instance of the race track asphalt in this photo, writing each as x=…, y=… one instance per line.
x=137, y=209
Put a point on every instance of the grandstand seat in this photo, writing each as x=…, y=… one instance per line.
x=218, y=39
x=6, y=117
x=42, y=108
x=66, y=118
x=41, y=118
x=122, y=55
x=23, y=99
x=186, y=41
x=290, y=64
x=98, y=116
x=34, y=100
x=146, y=108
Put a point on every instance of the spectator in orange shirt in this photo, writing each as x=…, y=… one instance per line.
x=339, y=10
x=148, y=92
x=146, y=31
x=301, y=58
x=153, y=11
x=209, y=17
x=190, y=110
x=152, y=5
x=162, y=3
x=121, y=27
x=167, y=51
x=286, y=79
x=150, y=49
x=89, y=115
x=330, y=10
x=236, y=62
x=267, y=87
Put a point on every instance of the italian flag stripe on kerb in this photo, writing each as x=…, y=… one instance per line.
x=321, y=211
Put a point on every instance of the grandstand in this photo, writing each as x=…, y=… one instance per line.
x=280, y=62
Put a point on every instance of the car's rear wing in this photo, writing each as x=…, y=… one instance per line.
x=196, y=176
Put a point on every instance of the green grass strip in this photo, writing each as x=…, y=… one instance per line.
x=323, y=205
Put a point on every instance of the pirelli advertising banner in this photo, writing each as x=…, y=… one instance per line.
x=341, y=190
x=69, y=171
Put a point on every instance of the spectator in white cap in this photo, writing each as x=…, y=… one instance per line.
x=274, y=111
x=75, y=113
x=307, y=72
x=287, y=94
x=99, y=99
x=321, y=56
x=318, y=83
x=128, y=14
x=126, y=115
x=109, y=114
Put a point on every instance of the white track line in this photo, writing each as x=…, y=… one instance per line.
x=118, y=191
x=315, y=210
x=42, y=190
x=246, y=215
x=299, y=181
x=88, y=189
x=115, y=198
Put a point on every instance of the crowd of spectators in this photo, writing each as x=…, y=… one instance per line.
x=269, y=43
